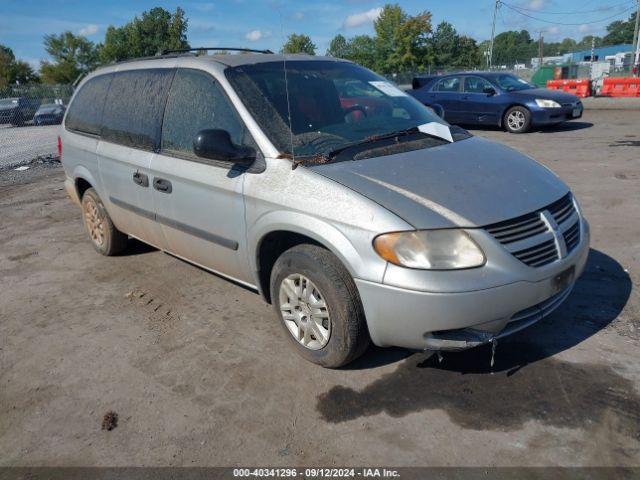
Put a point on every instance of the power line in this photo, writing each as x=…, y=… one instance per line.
x=515, y=9
x=599, y=9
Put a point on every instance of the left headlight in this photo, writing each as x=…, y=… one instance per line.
x=430, y=249
x=542, y=103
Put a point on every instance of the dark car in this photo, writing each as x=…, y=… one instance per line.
x=49, y=114
x=17, y=110
x=496, y=99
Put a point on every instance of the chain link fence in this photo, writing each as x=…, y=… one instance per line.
x=29, y=119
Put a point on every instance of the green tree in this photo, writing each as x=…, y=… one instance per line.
x=338, y=47
x=147, y=35
x=514, y=47
x=362, y=50
x=299, y=43
x=387, y=39
x=585, y=43
x=444, y=45
x=14, y=71
x=413, y=42
x=73, y=55
x=619, y=32
x=401, y=41
x=468, y=54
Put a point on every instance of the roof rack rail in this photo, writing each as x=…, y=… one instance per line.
x=202, y=49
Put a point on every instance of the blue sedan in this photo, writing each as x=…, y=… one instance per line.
x=498, y=99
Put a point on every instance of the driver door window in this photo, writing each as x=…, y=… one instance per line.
x=476, y=85
x=197, y=102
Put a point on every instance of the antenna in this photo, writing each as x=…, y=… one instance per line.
x=286, y=88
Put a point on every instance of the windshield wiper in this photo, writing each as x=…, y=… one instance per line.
x=326, y=157
x=331, y=154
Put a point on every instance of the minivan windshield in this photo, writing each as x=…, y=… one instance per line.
x=330, y=103
x=511, y=83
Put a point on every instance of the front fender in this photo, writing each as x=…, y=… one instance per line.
x=317, y=229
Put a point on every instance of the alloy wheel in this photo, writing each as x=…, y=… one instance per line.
x=516, y=120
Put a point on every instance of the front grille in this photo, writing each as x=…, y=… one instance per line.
x=538, y=255
x=572, y=237
x=530, y=238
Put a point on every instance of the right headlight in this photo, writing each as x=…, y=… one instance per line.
x=543, y=103
x=450, y=249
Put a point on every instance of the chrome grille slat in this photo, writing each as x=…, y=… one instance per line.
x=497, y=229
x=525, y=234
x=572, y=237
x=530, y=237
x=547, y=252
x=562, y=215
x=544, y=261
x=536, y=248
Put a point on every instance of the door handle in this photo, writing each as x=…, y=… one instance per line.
x=162, y=185
x=140, y=179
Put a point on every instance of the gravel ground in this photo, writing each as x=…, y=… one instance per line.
x=200, y=373
x=21, y=145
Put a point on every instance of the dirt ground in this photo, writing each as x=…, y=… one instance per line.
x=200, y=373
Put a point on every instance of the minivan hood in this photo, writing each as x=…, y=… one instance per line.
x=546, y=94
x=469, y=183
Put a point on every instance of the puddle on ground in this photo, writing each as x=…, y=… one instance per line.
x=524, y=386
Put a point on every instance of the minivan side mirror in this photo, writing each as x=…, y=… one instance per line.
x=490, y=91
x=216, y=144
x=438, y=110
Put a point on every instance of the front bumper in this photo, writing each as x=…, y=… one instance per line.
x=422, y=320
x=550, y=116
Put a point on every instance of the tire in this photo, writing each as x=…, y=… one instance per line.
x=104, y=236
x=517, y=120
x=344, y=329
x=17, y=121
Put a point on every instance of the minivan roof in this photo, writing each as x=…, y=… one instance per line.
x=233, y=60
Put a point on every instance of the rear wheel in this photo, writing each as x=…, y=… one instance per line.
x=319, y=306
x=105, y=237
x=517, y=120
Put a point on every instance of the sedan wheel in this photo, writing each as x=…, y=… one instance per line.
x=517, y=119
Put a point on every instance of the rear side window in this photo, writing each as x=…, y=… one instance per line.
x=448, y=85
x=85, y=112
x=197, y=102
x=134, y=106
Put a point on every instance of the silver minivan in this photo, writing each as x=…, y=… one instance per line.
x=357, y=212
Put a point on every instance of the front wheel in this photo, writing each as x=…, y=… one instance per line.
x=517, y=120
x=319, y=306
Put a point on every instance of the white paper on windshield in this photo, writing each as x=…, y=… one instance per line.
x=437, y=129
x=388, y=89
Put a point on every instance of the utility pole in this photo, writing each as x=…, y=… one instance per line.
x=496, y=5
x=636, y=41
x=540, y=48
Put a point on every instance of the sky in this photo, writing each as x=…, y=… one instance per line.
x=266, y=23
